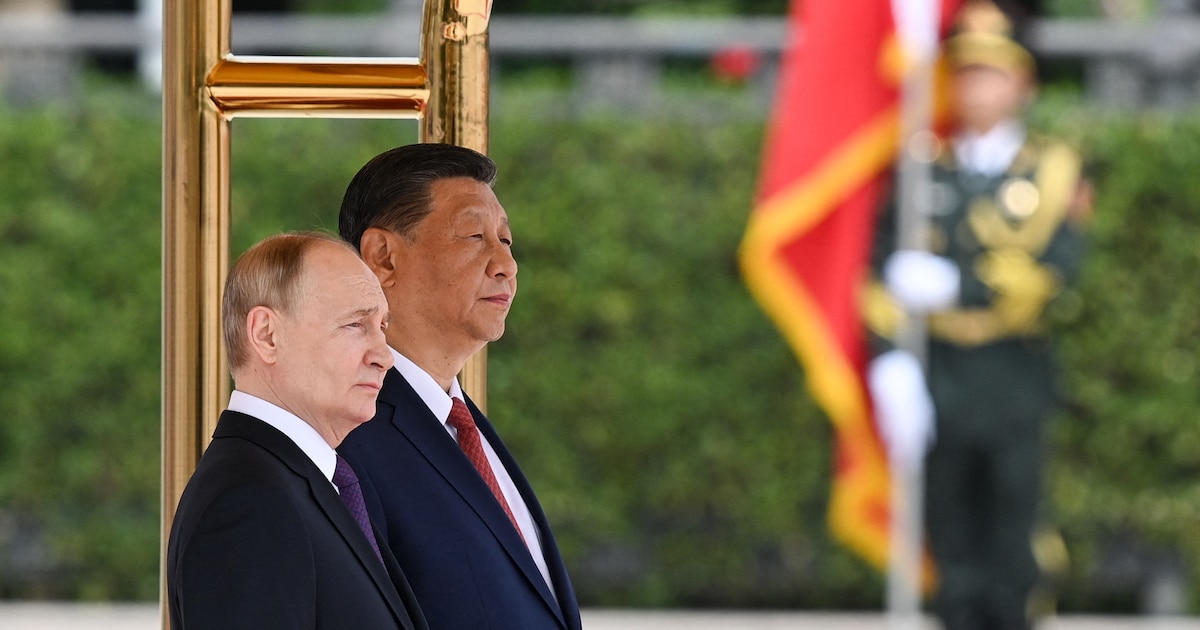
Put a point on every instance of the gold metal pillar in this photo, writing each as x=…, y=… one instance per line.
x=204, y=87
x=455, y=53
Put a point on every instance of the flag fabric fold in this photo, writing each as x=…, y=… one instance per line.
x=830, y=141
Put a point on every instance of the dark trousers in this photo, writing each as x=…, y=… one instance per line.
x=981, y=504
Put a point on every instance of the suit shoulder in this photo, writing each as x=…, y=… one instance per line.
x=241, y=458
x=236, y=473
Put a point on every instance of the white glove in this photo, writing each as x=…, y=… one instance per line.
x=903, y=407
x=921, y=281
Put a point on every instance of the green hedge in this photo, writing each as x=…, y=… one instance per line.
x=657, y=411
x=79, y=353
x=1126, y=452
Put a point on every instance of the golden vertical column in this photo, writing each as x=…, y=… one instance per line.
x=454, y=49
x=195, y=239
x=204, y=87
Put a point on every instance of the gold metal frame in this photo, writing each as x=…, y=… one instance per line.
x=204, y=87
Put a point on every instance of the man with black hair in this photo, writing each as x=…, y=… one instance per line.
x=456, y=509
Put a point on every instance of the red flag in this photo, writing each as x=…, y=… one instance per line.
x=804, y=256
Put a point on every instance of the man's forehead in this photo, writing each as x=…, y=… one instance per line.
x=347, y=303
x=988, y=69
x=463, y=191
x=343, y=282
x=364, y=285
x=475, y=212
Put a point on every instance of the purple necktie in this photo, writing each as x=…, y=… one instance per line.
x=348, y=488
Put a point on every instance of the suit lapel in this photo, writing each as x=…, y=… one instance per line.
x=337, y=513
x=412, y=417
x=549, y=548
x=234, y=424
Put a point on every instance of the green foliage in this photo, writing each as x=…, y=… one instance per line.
x=341, y=6
x=290, y=175
x=1072, y=8
x=657, y=411
x=79, y=298
x=643, y=7
x=1126, y=457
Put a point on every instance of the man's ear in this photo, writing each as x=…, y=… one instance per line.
x=262, y=329
x=378, y=248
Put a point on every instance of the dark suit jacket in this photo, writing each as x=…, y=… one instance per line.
x=262, y=540
x=468, y=566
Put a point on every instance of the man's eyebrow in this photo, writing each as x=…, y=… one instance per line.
x=363, y=312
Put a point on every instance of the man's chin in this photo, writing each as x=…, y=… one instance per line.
x=365, y=413
x=490, y=333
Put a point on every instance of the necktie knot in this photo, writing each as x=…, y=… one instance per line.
x=343, y=474
x=460, y=417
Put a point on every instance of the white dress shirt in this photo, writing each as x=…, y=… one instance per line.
x=439, y=403
x=992, y=152
x=297, y=430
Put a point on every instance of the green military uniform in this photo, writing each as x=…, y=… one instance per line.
x=1017, y=242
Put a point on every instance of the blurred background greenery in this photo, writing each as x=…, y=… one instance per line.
x=659, y=414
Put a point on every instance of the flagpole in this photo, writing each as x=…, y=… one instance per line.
x=914, y=194
x=917, y=27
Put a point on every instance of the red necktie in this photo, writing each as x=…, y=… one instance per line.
x=469, y=442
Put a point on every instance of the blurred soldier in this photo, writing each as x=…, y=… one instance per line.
x=1005, y=239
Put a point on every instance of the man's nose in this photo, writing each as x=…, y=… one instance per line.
x=380, y=354
x=503, y=263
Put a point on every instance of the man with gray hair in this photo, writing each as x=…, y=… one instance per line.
x=270, y=530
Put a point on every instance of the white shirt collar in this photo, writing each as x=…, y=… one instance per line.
x=430, y=392
x=992, y=152
x=297, y=430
